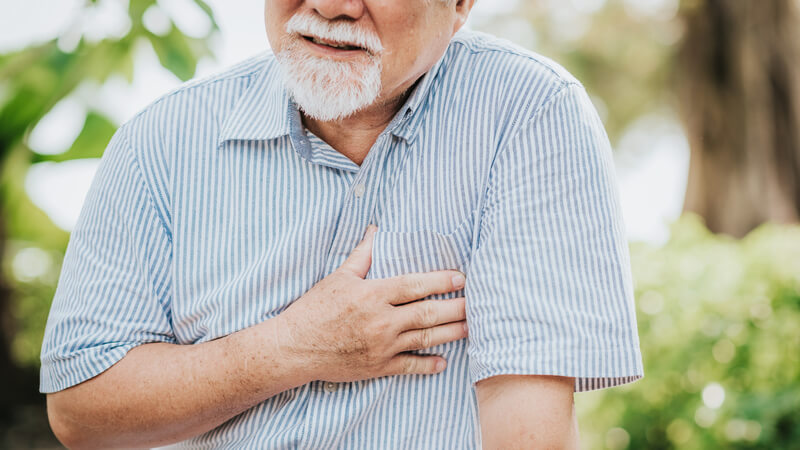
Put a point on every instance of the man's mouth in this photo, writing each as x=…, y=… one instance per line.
x=332, y=44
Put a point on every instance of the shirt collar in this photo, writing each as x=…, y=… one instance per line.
x=410, y=115
x=265, y=111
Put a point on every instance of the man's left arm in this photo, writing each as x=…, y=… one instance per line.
x=549, y=290
x=527, y=412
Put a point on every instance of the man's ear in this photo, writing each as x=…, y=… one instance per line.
x=462, y=9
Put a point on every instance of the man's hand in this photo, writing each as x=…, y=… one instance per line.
x=347, y=328
x=343, y=328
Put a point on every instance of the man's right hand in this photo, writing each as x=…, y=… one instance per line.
x=346, y=328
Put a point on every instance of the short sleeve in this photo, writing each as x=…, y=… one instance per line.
x=114, y=287
x=549, y=288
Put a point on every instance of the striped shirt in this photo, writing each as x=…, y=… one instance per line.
x=213, y=209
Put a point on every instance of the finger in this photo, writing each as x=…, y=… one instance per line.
x=428, y=337
x=359, y=260
x=429, y=313
x=407, y=364
x=414, y=286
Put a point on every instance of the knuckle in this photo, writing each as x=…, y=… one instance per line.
x=426, y=315
x=409, y=365
x=373, y=360
x=424, y=338
x=371, y=330
x=366, y=289
x=413, y=286
x=419, y=286
x=427, y=337
x=379, y=326
x=376, y=331
x=400, y=284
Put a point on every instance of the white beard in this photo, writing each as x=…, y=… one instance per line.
x=322, y=88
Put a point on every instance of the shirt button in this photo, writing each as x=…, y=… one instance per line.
x=330, y=386
x=359, y=190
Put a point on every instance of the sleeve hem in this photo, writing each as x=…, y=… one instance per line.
x=59, y=374
x=615, y=367
x=582, y=384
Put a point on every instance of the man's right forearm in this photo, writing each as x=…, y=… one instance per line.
x=164, y=393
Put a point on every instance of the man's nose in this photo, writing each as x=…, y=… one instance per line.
x=338, y=9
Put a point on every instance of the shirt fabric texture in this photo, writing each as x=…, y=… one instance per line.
x=213, y=209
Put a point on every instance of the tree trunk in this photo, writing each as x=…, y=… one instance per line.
x=739, y=92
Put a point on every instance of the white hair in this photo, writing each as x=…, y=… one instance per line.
x=310, y=24
x=325, y=89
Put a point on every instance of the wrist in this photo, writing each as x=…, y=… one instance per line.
x=264, y=361
x=289, y=349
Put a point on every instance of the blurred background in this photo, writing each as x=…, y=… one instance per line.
x=701, y=100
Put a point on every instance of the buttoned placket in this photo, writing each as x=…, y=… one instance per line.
x=358, y=191
x=359, y=206
x=357, y=212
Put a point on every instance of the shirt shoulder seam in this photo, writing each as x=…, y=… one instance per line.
x=562, y=89
x=475, y=50
x=190, y=87
x=516, y=127
x=149, y=189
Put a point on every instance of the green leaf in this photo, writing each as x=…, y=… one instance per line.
x=136, y=9
x=107, y=58
x=178, y=52
x=209, y=12
x=91, y=142
x=24, y=220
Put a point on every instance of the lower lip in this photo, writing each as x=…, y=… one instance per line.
x=331, y=51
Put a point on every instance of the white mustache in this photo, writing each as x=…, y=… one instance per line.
x=340, y=32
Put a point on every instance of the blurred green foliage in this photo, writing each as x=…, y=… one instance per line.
x=622, y=50
x=718, y=323
x=32, y=81
x=718, y=318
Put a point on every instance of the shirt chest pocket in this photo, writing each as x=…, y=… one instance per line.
x=402, y=252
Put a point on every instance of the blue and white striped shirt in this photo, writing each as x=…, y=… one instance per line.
x=213, y=210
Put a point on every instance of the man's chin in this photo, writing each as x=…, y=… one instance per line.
x=328, y=109
x=332, y=91
x=325, y=116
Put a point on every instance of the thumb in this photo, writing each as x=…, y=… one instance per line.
x=360, y=258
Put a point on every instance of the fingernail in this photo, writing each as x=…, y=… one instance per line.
x=466, y=328
x=458, y=281
x=440, y=365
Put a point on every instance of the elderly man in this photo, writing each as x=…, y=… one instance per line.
x=274, y=257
